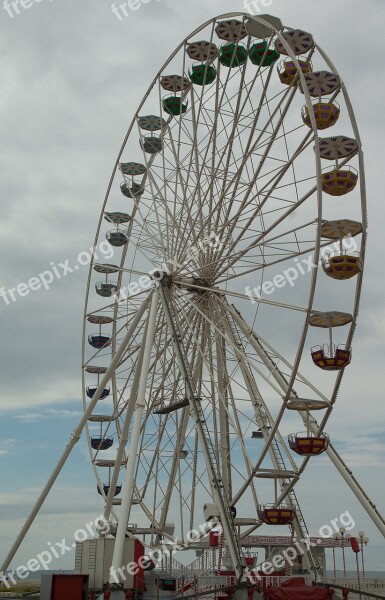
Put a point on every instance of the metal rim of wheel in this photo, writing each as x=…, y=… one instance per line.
x=220, y=186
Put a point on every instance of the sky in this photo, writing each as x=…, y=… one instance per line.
x=71, y=76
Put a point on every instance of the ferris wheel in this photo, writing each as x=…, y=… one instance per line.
x=236, y=211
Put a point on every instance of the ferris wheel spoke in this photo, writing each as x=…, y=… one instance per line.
x=284, y=234
x=212, y=138
x=288, y=255
x=247, y=460
x=176, y=153
x=196, y=150
x=262, y=417
x=258, y=213
x=176, y=459
x=193, y=166
x=238, y=171
x=172, y=473
x=262, y=246
x=235, y=350
x=268, y=359
x=176, y=217
x=278, y=172
x=219, y=390
x=225, y=292
x=270, y=351
x=226, y=150
x=141, y=220
x=128, y=407
x=228, y=154
x=158, y=195
x=180, y=182
x=271, y=227
x=253, y=147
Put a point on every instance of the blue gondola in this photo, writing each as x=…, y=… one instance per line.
x=101, y=443
x=106, y=489
x=99, y=341
x=91, y=389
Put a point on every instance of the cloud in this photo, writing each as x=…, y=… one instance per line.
x=48, y=414
x=6, y=446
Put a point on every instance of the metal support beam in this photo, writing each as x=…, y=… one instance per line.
x=128, y=487
x=223, y=414
x=124, y=436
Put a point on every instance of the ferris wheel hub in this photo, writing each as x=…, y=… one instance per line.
x=162, y=276
x=194, y=284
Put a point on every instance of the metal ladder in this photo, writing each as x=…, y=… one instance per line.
x=214, y=462
x=275, y=452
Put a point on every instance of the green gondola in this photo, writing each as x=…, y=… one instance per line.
x=260, y=54
x=203, y=74
x=232, y=55
x=174, y=105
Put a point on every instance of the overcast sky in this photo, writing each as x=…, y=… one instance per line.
x=71, y=76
